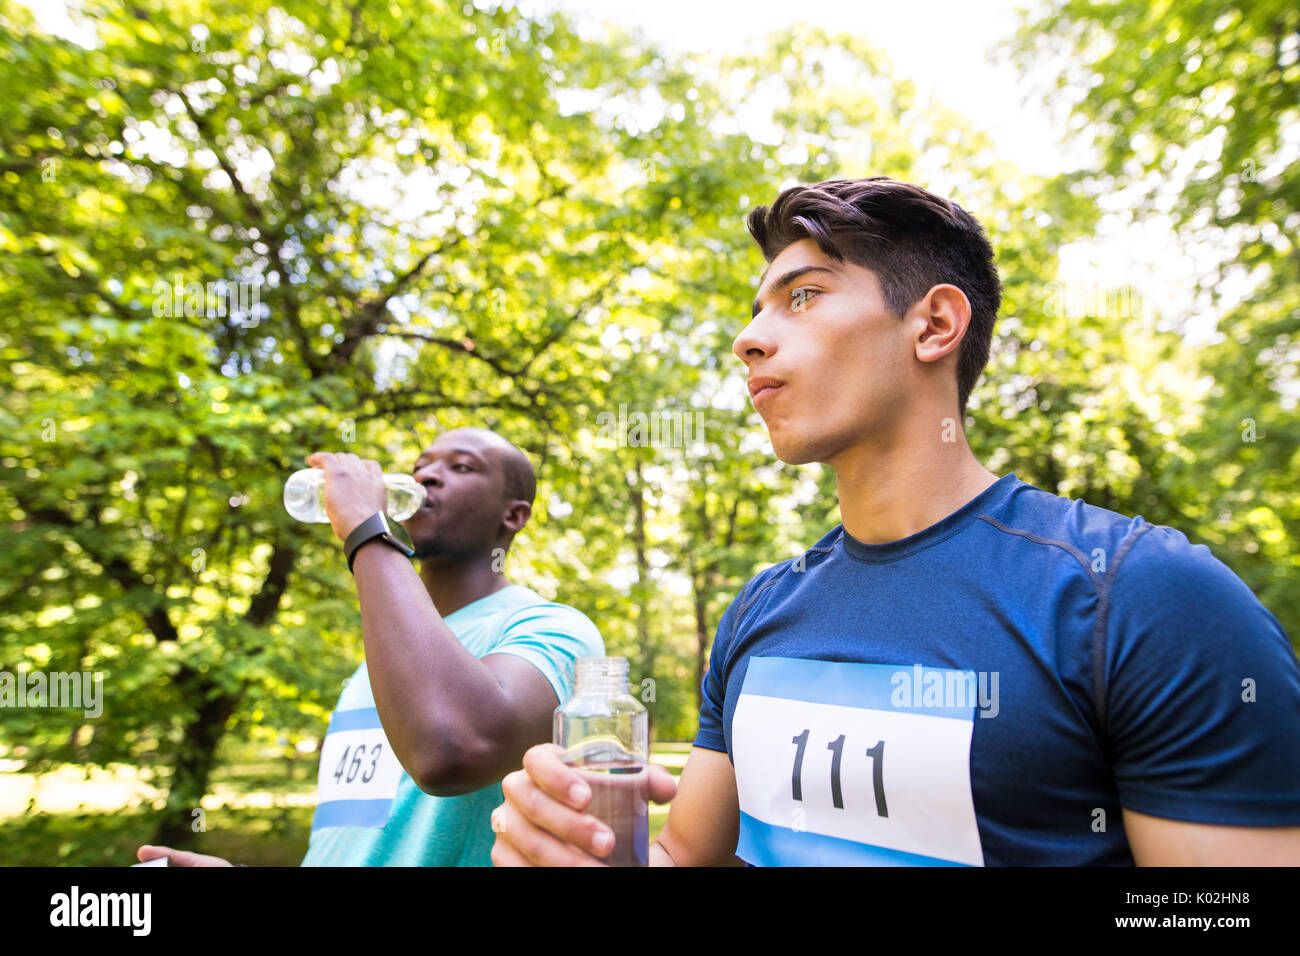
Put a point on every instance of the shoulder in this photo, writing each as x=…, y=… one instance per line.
x=549, y=635
x=1163, y=576
x=779, y=579
x=1175, y=622
x=1127, y=556
x=1201, y=696
x=1146, y=576
x=1072, y=530
x=525, y=610
x=1164, y=558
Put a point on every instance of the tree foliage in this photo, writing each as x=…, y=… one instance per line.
x=234, y=234
x=1193, y=110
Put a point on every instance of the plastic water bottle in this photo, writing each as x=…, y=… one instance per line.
x=604, y=731
x=304, y=495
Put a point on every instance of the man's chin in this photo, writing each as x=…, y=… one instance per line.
x=438, y=552
x=426, y=547
x=790, y=449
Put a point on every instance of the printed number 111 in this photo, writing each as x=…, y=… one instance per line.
x=836, y=746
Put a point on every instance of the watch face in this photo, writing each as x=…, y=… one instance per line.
x=399, y=536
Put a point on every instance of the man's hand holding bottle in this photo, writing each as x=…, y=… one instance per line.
x=542, y=822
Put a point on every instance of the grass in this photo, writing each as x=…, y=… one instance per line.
x=276, y=837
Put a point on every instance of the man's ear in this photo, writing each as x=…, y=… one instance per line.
x=517, y=514
x=941, y=318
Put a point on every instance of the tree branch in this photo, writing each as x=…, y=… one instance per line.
x=400, y=408
x=263, y=607
x=274, y=236
x=464, y=346
x=371, y=311
x=559, y=331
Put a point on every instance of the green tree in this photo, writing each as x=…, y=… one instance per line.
x=1193, y=109
x=238, y=234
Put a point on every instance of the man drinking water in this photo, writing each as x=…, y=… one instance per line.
x=463, y=669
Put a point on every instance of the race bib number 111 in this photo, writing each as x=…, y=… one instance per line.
x=831, y=770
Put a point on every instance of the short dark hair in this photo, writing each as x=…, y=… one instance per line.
x=910, y=238
x=519, y=479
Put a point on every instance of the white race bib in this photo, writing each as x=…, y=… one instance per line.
x=358, y=772
x=832, y=770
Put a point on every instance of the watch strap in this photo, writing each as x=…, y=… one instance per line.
x=378, y=525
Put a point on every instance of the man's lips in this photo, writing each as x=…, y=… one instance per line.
x=764, y=387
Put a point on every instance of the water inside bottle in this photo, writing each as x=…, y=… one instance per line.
x=620, y=796
x=404, y=497
x=304, y=496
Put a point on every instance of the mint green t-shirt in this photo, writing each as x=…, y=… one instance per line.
x=369, y=811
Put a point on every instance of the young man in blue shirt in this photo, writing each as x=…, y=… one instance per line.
x=968, y=670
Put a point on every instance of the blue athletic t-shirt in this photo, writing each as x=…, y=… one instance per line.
x=993, y=689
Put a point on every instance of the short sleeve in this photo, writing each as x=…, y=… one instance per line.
x=1203, y=696
x=551, y=637
x=713, y=690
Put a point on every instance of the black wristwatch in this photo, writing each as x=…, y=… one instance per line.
x=378, y=525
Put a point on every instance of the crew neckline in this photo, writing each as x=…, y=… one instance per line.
x=990, y=498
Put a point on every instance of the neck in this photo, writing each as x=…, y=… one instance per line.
x=892, y=489
x=453, y=586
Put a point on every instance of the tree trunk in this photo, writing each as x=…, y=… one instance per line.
x=193, y=762
x=197, y=751
x=641, y=591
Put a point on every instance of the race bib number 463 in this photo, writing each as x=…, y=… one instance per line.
x=831, y=771
x=358, y=772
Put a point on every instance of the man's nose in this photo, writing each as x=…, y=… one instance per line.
x=754, y=342
x=430, y=473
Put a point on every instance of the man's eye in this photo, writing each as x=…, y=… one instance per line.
x=799, y=298
x=461, y=465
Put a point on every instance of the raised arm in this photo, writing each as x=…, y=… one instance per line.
x=457, y=723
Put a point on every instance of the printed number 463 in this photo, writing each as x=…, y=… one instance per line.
x=351, y=769
x=836, y=747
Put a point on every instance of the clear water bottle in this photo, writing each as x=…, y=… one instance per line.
x=604, y=732
x=304, y=495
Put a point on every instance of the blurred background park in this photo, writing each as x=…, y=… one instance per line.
x=236, y=233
